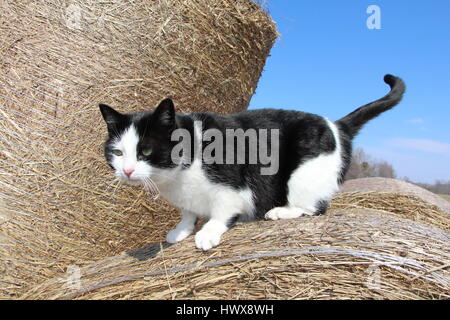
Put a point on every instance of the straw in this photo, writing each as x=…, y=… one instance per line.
x=59, y=203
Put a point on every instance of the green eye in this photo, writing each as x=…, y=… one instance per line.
x=147, y=152
x=117, y=152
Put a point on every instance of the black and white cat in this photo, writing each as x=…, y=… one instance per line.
x=312, y=154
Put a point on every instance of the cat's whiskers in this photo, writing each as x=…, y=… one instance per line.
x=151, y=188
x=166, y=177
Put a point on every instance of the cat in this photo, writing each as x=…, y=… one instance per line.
x=313, y=157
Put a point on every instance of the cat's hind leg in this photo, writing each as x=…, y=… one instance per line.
x=283, y=213
x=312, y=185
x=308, y=194
x=184, y=228
x=310, y=188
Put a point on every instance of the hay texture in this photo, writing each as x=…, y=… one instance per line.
x=393, y=186
x=59, y=59
x=347, y=254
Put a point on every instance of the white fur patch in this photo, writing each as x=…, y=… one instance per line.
x=316, y=179
x=127, y=143
x=183, y=229
x=283, y=213
x=209, y=236
x=190, y=190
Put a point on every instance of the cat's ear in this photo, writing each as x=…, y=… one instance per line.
x=111, y=116
x=164, y=114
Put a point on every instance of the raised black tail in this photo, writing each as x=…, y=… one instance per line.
x=354, y=121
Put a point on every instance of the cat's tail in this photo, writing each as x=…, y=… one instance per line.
x=354, y=121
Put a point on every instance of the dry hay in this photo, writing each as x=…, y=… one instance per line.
x=347, y=254
x=59, y=204
x=404, y=205
x=395, y=187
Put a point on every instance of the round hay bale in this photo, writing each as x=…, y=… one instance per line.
x=405, y=205
x=395, y=187
x=59, y=204
x=348, y=254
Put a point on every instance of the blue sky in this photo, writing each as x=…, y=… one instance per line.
x=328, y=62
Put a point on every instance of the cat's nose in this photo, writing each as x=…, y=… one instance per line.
x=128, y=172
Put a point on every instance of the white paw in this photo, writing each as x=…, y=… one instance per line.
x=282, y=213
x=273, y=214
x=206, y=239
x=177, y=235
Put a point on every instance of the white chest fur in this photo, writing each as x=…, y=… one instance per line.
x=192, y=191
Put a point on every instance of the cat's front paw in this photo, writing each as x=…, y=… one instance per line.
x=177, y=235
x=206, y=239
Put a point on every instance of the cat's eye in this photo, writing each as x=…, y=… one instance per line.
x=117, y=152
x=146, y=152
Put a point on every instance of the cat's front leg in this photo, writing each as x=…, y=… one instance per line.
x=184, y=228
x=226, y=209
x=209, y=236
x=223, y=217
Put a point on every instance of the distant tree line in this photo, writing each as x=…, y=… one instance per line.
x=365, y=166
x=439, y=187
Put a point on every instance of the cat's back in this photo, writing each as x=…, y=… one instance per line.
x=262, y=119
x=301, y=135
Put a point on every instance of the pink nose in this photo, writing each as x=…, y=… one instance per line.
x=128, y=172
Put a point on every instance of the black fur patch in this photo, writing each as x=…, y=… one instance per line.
x=232, y=222
x=322, y=207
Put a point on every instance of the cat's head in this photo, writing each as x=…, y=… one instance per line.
x=139, y=145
